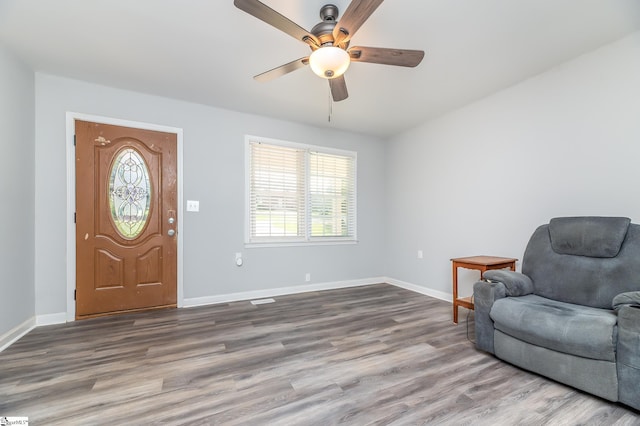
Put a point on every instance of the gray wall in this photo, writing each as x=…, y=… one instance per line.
x=479, y=180
x=17, y=100
x=213, y=174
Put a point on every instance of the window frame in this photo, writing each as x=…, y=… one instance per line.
x=306, y=239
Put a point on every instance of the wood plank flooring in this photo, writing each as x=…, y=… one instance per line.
x=375, y=355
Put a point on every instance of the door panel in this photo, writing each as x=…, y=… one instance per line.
x=126, y=244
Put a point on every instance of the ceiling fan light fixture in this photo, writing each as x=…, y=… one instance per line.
x=329, y=61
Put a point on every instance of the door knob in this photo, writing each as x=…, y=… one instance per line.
x=171, y=221
x=171, y=232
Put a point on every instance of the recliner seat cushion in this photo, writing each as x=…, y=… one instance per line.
x=564, y=327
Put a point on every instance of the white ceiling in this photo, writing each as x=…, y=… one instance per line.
x=207, y=51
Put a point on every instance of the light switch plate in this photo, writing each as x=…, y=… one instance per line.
x=193, y=206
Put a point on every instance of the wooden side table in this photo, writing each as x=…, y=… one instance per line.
x=480, y=263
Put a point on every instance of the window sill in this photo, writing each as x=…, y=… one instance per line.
x=300, y=243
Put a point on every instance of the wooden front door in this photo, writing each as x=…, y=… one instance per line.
x=126, y=219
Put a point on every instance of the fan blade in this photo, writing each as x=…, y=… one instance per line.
x=282, y=69
x=381, y=55
x=352, y=19
x=275, y=19
x=338, y=89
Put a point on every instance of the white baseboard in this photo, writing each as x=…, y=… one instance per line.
x=11, y=336
x=49, y=319
x=261, y=294
x=419, y=289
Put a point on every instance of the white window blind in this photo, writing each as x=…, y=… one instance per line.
x=277, y=192
x=331, y=195
x=299, y=193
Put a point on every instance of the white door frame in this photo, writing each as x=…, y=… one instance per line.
x=71, y=198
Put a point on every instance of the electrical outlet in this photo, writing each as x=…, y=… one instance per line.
x=420, y=255
x=307, y=277
x=193, y=206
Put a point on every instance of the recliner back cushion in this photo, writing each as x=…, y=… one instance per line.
x=588, y=236
x=585, y=280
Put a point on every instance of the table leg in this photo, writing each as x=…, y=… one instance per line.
x=455, y=293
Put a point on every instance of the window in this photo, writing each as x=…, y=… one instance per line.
x=299, y=193
x=129, y=193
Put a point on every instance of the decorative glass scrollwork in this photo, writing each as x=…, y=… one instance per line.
x=129, y=193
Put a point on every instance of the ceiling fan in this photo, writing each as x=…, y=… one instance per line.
x=329, y=42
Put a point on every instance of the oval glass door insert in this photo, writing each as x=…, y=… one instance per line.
x=129, y=193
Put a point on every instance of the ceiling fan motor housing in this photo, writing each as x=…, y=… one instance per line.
x=324, y=30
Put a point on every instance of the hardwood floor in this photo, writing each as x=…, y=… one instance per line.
x=367, y=355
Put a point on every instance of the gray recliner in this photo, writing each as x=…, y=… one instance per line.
x=573, y=314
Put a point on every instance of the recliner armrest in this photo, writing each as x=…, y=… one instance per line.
x=629, y=319
x=484, y=295
x=515, y=283
x=630, y=298
x=628, y=355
